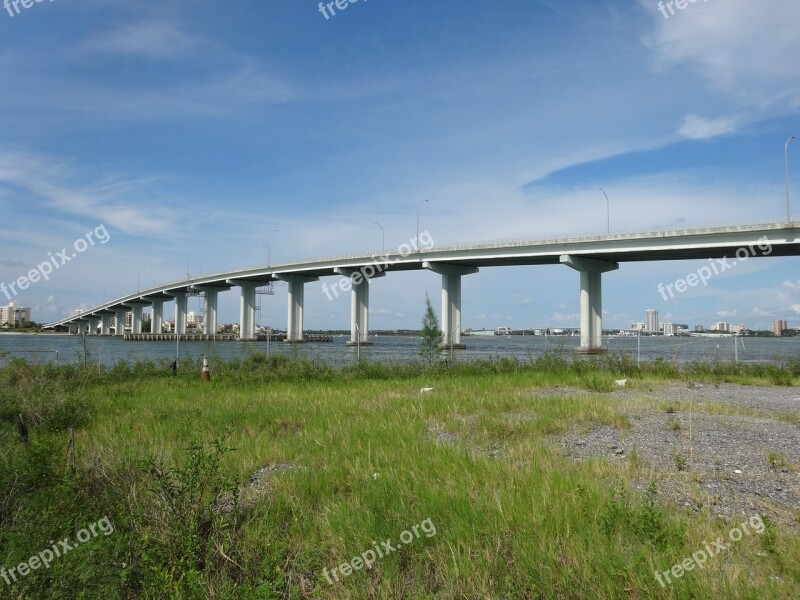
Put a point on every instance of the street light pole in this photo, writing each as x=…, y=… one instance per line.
x=786, y=158
x=608, y=211
x=383, y=236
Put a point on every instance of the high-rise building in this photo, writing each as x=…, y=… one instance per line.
x=652, y=320
x=699, y=328
x=13, y=315
x=779, y=326
x=722, y=327
x=671, y=329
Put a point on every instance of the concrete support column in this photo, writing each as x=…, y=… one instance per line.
x=93, y=324
x=105, y=324
x=451, y=310
x=136, y=321
x=74, y=328
x=210, y=302
x=119, y=321
x=210, y=316
x=157, y=318
x=247, y=312
x=451, y=301
x=359, y=305
x=294, y=326
x=591, y=300
x=181, y=304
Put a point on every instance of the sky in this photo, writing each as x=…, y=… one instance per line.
x=192, y=131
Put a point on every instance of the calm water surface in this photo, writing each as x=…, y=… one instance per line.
x=108, y=350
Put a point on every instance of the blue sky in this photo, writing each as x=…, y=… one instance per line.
x=191, y=130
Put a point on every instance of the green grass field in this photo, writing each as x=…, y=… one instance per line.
x=356, y=457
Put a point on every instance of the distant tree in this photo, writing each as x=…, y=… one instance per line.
x=431, y=334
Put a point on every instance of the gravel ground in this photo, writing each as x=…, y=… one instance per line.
x=740, y=455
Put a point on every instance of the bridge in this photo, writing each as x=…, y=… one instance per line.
x=590, y=255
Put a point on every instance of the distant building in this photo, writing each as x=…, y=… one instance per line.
x=652, y=321
x=13, y=315
x=779, y=326
x=740, y=328
x=671, y=328
x=699, y=328
x=636, y=326
x=722, y=327
x=193, y=318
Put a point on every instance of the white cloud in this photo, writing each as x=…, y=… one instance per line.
x=727, y=313
x=740, y=47
x=47, y=180
x=698, y=128
x=795, y=308
x=153, y=39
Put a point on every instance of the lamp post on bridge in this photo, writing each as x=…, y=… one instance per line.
x=269, y=247
x=383, y=236
x=786, y=159
x=608, y=212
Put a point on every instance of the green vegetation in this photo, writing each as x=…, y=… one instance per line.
x=431, y=334
x=333, y=460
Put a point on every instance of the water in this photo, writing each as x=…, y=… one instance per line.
x=108, y=350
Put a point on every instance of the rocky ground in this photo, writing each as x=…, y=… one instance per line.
x=730, y=449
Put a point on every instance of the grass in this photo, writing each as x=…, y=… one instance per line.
x=360, y=462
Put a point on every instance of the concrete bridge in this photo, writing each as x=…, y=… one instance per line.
x=591, y=256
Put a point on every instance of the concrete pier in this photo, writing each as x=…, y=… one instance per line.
x=451, y=301
x=119, y=321
x=359, y=303
x=591, y=300
x=181, y=304
x=294, y=327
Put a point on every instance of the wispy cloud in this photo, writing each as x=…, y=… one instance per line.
x=154, y=40
x=698, y=128
x=719, y=41
x=49, y=181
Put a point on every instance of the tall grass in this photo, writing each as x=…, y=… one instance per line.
x=349, y=457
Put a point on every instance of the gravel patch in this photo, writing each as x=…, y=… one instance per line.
x=727, y=464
